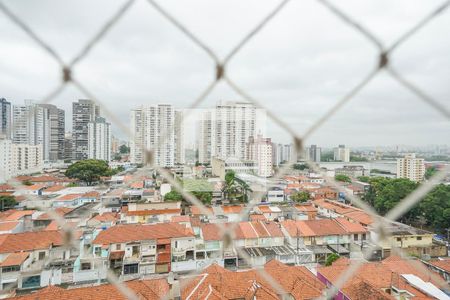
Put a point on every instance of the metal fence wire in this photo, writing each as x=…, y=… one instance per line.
x=220, y=74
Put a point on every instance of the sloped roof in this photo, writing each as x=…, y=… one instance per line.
x=28, y=241
x=153, y=289
x=138, y=232
x=249, y=284
x=14, y=259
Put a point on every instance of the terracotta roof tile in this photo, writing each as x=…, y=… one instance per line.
x=127, y=233
x=232, y=209
x=14, y=259
x=6, y=226
x=443, y=264
x=153, y=289
x=28, y=241
x=150, y=212
x=15, y=215
x=55, y=188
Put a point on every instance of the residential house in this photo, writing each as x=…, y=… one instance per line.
x=104, y=220
x=216, y=282
x=391, y=279
x=413, y=241
x=325, y=236
x=47, y=258
x=135, y=250
x=271, y=213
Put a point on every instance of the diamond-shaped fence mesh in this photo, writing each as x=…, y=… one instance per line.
x=220, y=71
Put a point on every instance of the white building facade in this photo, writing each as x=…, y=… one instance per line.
x=260, y=150
x=40, y=124
x=341, y=153
x=411, y=167
x=99, y=139
x=153, y=128
x=19, y=159
x=224, y=131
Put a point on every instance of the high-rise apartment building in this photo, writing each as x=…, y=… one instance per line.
x=83, y=112
x=205, y=136
x=225, y=130
x=40, y=124
x=19, y=159
x=234, y=124
x=68, y=146
x=153, y=129
x=287, y=153
x=5, y=119
x=341, y=153
x=276, y=154
x=99, y=139
x=180, y=155
x=56, y=126
x=411, y=167
x=313, y=153
x=260, y=150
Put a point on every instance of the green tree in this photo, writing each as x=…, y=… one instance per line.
x=7, y=202
x=429, y=172
x=301, y=196
x=89, y=170
x=435, y=208
x=364, y=179
x=385, y=193
x=27, y=182
x=342, y=178
x=204, y=197
x=123, y=149
x=300, y=167
x=173, y=196
x=331, y=259
x=357, y=158
x=244, y=189
x=327, y=156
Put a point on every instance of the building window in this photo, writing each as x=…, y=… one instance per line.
x=10, y=269
x=399, y=239
x=419, y=238
x=130, y=269
x=355, y=237
x=97, y=251
x=41, y=255
x=118, y=246
x=176, y=244
x=364, y=236
x=86, y=266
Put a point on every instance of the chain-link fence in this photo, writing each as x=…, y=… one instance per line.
x=221, y=75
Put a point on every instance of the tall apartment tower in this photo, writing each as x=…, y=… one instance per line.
x=313, y=153
x=5, y=119
x=411, y=167
x=341, y=153
x=180, y=154
x=40, y=124
x=68, y=146
x=260, y=150
x=83, y=112
x=153, y=128
x=56, y=122
x=205, y=136
x=99, y=139
x=287, y=152
x=276, y=155
x=234, y=124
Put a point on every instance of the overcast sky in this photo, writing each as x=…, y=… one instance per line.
x=298, y=66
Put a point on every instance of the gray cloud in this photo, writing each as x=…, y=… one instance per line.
x=298, y=66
